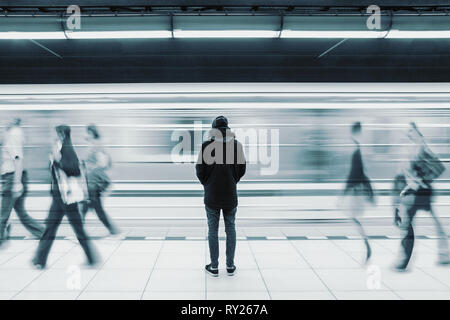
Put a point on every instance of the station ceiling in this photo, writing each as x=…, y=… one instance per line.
x=223, y=60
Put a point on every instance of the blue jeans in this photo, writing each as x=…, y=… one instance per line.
x=229, y=216
x=58, y=210
x=9, y=202
x=422, y=201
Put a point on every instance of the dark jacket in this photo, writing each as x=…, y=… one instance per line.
x=68, y=163
x=218, y=176
x=356, y=175
x=357, y=179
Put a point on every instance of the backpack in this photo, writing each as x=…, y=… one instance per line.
x=427, y=165
x=98, y=180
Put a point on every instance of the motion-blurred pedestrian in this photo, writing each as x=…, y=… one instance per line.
x=14, y=183
x=358, y=190
x=68, y=189
x=420, y=170
x=98, y=161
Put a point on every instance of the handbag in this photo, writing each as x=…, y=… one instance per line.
x=427, y=165
x=72, y=189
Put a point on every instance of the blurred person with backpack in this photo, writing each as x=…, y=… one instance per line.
x=97, y=163
x=422, y=167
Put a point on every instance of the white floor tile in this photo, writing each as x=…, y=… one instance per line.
x=70, y=259
x=177, y=280
x=47, y=295
x=383, y=260
x=119, y=280
x=336, y=259
x=7, y=295
x=292, y=280
x=426, y=246
x=392, y=246
x=59, y=246
x=280, y=261
x=194, y=260
x=352, y=246
x=441, y=273
x=424, y=295
x=351, y=279
x=110, y=295
x=15, y=280
x=301, y=231
x=315, y=246
x=142, y=260
x=4, y=257
x=172, y=295
x=176, y=246
x=17, y=246
x=172, y=269
x=138, y=246
x=268, y=246
x=238, y=295
x=243, y=280
x=414, y=280
x=301, y=295
x=366, y=295
x=23, y=261
x=62, y=280
x=425, y=260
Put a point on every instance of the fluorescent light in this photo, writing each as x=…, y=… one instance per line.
x=142, y=34
x=332, y=34
x=113, y=96
x=32, y=35
x=392, y=34
x=148, y=34
x=223, y=106
x=179, y=33
x=418, y=34
x=357, y=88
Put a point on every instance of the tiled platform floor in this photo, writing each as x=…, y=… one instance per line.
x=314, y=268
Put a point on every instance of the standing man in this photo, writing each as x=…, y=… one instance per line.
x=14, y=185
x=220, y=166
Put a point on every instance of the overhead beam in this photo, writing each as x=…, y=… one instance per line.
x=246, y=3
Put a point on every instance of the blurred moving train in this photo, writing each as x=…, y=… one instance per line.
x=141, y=125
x=137, y=122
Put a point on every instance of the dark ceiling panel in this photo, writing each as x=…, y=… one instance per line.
x=257, y=60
